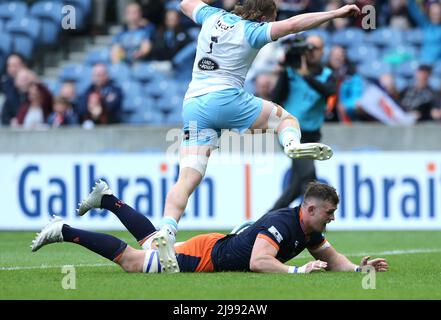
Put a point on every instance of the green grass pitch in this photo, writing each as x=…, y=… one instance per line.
x=414, y=257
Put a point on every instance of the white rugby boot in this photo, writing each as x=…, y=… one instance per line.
x=165, y=241
x=315, y=151
x=51, y=233
x=93, y=200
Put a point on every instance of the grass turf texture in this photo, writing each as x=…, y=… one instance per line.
x=414, y=275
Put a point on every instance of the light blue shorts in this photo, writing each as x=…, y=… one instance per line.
x=205, y=116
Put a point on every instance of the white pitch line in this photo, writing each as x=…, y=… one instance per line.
x=99, y=265
x=56, y=267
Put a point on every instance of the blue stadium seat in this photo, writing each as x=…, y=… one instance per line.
x=25, y=32
x=5, y=44
x=385, y=37
x=49, y=13
x=360, y=53
x=131, y=89
x=373, y=69
x=165, y=87
x=82, y=85
x=2, y=25
x=348, y=37
x=120, y=72
x=76, y=72
x=414, y=36
x=435, y=82
x=135, y=103
x=194, y=32
x=101, y=55
x=437, y=70
x=53, y=85
x=407, y=69
x=169, y=103
x=143, y=72
x=13, y=10
x=402, y=83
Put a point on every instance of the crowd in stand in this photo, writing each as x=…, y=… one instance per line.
x=155, y=30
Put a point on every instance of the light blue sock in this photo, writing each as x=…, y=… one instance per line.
x=170, y=221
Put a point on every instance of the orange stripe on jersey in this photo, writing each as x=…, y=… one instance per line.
x=271, y=241
x=200, y=247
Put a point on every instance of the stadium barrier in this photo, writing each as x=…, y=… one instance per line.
x=358, y=136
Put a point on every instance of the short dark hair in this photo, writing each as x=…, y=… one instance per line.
x=321, y=191
x=425, y=67
x=254, y=10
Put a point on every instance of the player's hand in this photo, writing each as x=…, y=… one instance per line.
x=379, y=264
x=315, y=266
x=350, y=10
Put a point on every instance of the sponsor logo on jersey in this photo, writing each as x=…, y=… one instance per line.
x=276, y=233
x=206, y=64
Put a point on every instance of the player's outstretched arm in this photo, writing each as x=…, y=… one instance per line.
x=308, y=21
x=338, y=262
x=188, y=6
x=263, y=259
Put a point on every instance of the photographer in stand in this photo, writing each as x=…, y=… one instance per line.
x=303, y=88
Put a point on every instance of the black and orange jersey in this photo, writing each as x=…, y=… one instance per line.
x=281, y=228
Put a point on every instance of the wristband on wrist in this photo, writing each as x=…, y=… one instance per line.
x=357, y=269
x=294, y=269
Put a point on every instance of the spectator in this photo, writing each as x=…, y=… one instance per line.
x=134, y=43
x=419, y=99
x=153, y=10
x=436, y=112
x=99, y=16
x=264, y=85
x=303, y=88
x=335, y=24
x=96, y=111
x=68, y=91
x=387, y=83
x=34, y=113
x=431, y=48
x=349, y=87
x=13, y=97
x=394, y=14
x=109, y=93
x=169, y=39
x=63, y=114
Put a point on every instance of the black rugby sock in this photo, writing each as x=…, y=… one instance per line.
x=105, y=245
x=137, y=224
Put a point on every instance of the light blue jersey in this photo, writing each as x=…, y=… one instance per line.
x=227, y=46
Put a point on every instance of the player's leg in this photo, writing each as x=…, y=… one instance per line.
x=197, y=144
x=107, y=246
x=302, y=172
x=194, y=255
x=136, y=223
x=273, y=116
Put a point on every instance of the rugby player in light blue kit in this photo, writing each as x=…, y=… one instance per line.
x=216, y=100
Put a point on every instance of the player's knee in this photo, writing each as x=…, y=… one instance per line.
x=196, y=162
x=277, y=116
